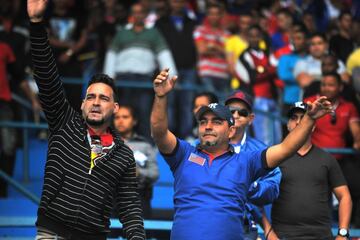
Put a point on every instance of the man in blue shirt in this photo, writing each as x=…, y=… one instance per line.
x=265, y=189
x=211, y=181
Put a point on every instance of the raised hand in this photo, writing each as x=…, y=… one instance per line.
x=162, y=84
x=36, y=9
x=319, y=108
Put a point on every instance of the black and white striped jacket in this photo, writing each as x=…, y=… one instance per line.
x=74, y=203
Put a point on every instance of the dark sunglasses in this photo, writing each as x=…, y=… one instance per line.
x=241, y=111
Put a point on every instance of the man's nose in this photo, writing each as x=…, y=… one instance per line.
x=97, y=101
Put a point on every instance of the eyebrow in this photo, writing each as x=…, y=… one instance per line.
x=100, y=95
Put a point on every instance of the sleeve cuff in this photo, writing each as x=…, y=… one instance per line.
x=263, y=160
x=174, y=151
x=37, y=29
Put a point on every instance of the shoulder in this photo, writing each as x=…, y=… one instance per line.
x=322, y=154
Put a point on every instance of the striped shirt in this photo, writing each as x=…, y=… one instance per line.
x=212, y=66
x=74, y=203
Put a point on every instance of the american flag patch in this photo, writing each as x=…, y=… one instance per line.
x=196, y=159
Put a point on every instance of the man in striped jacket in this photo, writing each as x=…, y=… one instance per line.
x=89, y=170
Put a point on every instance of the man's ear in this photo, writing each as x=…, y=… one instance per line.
x=232, y=131
x=82, y=104
x=251, y=116
x=116, y=107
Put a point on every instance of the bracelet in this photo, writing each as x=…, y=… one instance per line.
x=268, y=233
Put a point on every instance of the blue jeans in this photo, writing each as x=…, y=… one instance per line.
x=180, y=104
x=267, y=129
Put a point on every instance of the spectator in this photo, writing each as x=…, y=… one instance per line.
x=309, y=176
x=68, y=35
x=329, y=64
x=147, y=171
x=265, y=189
x=237, y=43
x=309, y=22
x=281, y=37
x=211, y=180
x=342, y=44
x=130, y=49
x=210, y=44
x=114, y=18
x=330, y=130
x=258, y=76
x=308, y=71
x=177, y=29
x=89, y=170
x=286, y=67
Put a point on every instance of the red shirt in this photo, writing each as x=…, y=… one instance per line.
x=265, y=73
x=6, y=56
x=327, y=135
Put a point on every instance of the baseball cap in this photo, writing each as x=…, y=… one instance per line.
x=219, y=110
x=297, y=106
x=242, y=96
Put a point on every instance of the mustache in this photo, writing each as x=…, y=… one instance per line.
x=95, y=109
x=211, y=133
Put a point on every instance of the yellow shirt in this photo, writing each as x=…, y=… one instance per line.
x=353, y=61
x=235, y=45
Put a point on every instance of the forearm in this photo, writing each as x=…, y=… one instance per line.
x=293, y=141
x=345, y=206
x=265, y=223
x=159, y=118
x=51, y=93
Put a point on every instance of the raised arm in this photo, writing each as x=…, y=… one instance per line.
x=51, y=92
x=164, y=139
x=296, y=138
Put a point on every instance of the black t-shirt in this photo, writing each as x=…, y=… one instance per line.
x=302, y=210
x=341, y=47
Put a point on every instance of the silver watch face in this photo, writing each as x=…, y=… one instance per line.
x=343, y=232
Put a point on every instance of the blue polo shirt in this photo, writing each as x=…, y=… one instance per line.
x=209, y=200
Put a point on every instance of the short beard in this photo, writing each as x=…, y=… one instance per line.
x=95, y=123
x=209, y=144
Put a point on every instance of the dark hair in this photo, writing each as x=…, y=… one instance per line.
x=258, y=28
x=131, y=109
x=300, y=27
x=343, y=13
x=320, y=35
x=215, y=5
x=285, y=12
x=103, y=78
x=210, y=96
x=335, y=75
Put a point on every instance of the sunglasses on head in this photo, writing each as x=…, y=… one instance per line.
x=241, y=111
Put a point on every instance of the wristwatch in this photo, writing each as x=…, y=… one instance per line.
x=343, y=232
